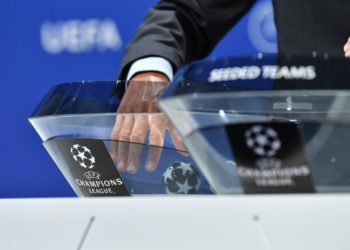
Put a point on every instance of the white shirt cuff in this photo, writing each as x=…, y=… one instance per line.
x=152, y=63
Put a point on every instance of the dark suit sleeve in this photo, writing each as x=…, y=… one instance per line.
x=183, y=30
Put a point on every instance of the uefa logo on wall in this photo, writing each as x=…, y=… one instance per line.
x=78, y=36
x=261, y=27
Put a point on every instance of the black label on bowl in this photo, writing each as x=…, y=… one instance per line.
x=270, y=158
x=87, y=165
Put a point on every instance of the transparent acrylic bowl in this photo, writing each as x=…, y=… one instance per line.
x=320, y=109
x=323, y=118
x=89, y=110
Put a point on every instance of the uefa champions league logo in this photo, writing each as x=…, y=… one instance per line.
x=181, y=178
x=91, y=175
x=264, y=141
x=83, y=156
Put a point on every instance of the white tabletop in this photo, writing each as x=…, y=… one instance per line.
x=316, y=221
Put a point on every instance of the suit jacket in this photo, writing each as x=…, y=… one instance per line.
x=186, y=30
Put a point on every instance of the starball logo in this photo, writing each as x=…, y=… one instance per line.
x=263, y=141
x=271, y=166
x=94, y=181
x=83, y=156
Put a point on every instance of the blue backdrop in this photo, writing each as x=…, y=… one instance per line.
x=45, y=42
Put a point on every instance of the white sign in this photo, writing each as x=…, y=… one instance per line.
x=273, y=72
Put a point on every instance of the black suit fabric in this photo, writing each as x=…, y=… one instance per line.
x=183, y=30
x=186, y=30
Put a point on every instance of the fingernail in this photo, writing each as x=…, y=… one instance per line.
x=131, y=168
x=120, y=165
x=150, y=166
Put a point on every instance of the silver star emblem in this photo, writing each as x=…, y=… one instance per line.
x=183, y=188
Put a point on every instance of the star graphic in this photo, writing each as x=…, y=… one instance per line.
x=75, y=146
x=87, y=149
x=92, y=159
x=82, y=164
x=167, y=174
x=82, y=155
x=183, y=188
x=186, y=167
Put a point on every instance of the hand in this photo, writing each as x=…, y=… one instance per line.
x=138, y=113
x=347, y=48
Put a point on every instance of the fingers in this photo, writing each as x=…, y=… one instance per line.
x=134, y=157
x=139, y=130
x=123, y=153
x=117, y=127
x=113, y=151
x=347, y=48
x=177, y=141
x=115, y=137
x=138, y=135
x=153, y=157
x=157, y=124
x=132, y=129
x=126, y=128
x=123, y=132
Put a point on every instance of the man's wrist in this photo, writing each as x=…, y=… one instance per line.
x=148, y=64
x=150, y=76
